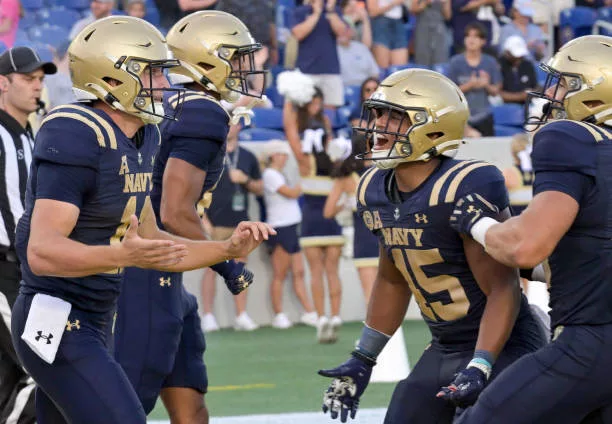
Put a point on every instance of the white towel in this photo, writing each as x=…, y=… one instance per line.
x=45, y=325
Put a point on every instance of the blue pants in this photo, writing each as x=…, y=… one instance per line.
x=158, y=336
x=84, y=385
x=414, y=399
x=568, y=381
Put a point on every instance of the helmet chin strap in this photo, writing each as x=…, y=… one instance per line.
x=380, y=161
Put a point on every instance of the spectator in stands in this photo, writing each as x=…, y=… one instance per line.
x=136, y=8
x=10, y=12
x=260, y=17
x=356, y=61
x=98, y=9
x=309, y=131
x=284, y=215
x=463, y=12
x=590, y=3
x=355, y=14
x=518, y=73
x=522, y=13
x=478, y=75
x=367, y=88
x=430, y=34
x=388, y=32
x=230, y=206
x=189, y=6
x=59, y=85
x=316, y=26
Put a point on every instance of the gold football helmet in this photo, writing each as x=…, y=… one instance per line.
x=431, y=107
x=216, y=50
x=112, y=57
x=582, y=67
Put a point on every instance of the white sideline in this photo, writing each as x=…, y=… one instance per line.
x=364, y=416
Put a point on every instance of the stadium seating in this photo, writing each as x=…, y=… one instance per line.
x=274, y=96
x=59, y=16
x=441, y=68
x=603, y=24
x=391, y=69
x=72, y=4
x=29, y=20
x=260, y=134
x=268, y=118
x=52, y=35
x=32, y=4
x=540, y=75
x=509, y=114
x=352, y=95
x=576, y=22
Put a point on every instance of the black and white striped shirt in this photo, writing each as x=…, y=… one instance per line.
x=16, y=144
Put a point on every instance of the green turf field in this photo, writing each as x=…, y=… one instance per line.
x=272, y=371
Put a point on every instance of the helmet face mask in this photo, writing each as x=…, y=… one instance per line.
x=242, y=77
x=553, y=104
x=395, y=118
x=149, y=99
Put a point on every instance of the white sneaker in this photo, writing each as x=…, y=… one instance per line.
x=309, y=318
x=336, y=321
x=209, y=323
x=324, y=329
x=281, y=321
x=244, y=322
x=332, y=330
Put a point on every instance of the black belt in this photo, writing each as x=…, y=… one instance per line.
x=9, y=257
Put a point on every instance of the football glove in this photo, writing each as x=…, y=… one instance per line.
x=469, y=210
x=465, y=388
x=239, y=279
x=349, y=382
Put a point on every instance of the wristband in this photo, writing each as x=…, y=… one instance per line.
x=480, y=228
x=371, y=342
x=483, y=360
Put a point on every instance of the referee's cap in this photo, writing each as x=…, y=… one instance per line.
x=23, y=60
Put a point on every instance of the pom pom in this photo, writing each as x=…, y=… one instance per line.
x=297, y=87
x=339, y=149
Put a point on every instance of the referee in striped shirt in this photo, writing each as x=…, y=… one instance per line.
x=21, y=81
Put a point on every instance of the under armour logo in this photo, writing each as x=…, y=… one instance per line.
x=73, y=325
x=472, y=209
x=421, y=218
x=42, y=336
x=396, y=214
x=165, y=282
x=243, y=282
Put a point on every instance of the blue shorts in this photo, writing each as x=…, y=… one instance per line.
x=287, y=238
x=158, y=337
x=564, y=382
x=390, y=33
x=414, y=398
x=317, y=230
x=84, y=382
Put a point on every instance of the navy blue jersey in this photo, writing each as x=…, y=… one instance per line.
x=198, y=138
x=82, y=157
x=521, y=195
x=417, y=237
x=576, y=158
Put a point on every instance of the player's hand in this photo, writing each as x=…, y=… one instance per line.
x=144, y=253
x=247, y=236
x=465, y=388
x=469, y=210
x=240, y=279
x=237, y=176
x=349, y=382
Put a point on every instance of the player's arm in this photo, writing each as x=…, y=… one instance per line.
x=500, y=284
x=290, y=127
x=386, y=311
x=60, y=191
x=201, y=253
x=182, y=186
x=528, y=239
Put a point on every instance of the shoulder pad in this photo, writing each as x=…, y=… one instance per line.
x=468, y=177
x=74, y=135
x=364, y=188
x=201, y=117
x=566, y=145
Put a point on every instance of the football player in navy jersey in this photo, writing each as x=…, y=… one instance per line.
x=478, y=318
x=216, y=55
x=88, y=216
x=569, y=221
